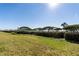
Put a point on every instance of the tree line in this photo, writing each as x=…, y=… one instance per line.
x=69, y=32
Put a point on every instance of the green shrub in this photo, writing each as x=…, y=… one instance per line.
x=58, y=34
x=51, y=34
x=46, y=34
x=72, y=36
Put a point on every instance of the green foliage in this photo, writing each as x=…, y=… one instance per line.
x=72, y=33
x=72, y=27
x=64, y=24
x=48, y=27
x=24, y=28
x=72, y=37
x=40, y=32
x=51, y=34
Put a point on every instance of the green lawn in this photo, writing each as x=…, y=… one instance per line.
x=25, y=45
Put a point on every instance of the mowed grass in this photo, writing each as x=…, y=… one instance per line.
x=31, y=45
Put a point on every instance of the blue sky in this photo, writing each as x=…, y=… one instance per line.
x=37, y=15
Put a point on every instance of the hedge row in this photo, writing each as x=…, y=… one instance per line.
x=72, y=36
x=46, y=34
x=69, y=36
x=51, y=34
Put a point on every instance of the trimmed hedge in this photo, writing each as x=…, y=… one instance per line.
x=45, y=34
x=72, y=36
x=52, y=34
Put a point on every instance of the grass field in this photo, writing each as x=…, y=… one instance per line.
x=27, y=45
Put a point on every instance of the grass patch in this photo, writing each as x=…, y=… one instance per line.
x=31, y=45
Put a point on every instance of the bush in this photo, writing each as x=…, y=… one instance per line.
x=72, y=36
x=46, y=34
x=20, y=32
x=58, y=34
x=51, y=34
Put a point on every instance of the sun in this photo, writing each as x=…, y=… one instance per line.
x=52, y=5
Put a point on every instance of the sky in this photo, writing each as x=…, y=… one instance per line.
x=37, y=15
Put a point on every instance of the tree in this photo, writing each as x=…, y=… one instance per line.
x=48, y=28
x=24, y=28
x=64, y=24
x=37, y=29
x=72, y=28
x=57, y=29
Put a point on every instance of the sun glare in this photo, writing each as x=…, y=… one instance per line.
x=52, y=5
